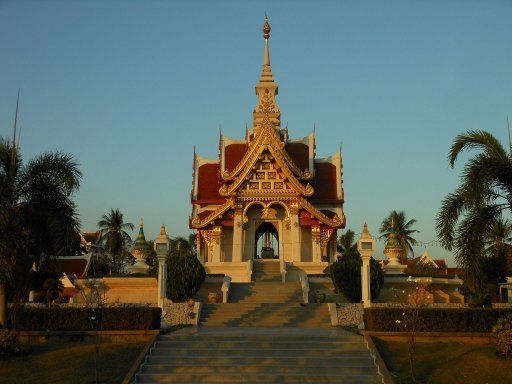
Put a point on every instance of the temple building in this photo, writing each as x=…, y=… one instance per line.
x=267, y=196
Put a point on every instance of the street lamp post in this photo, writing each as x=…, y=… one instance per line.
x=162, y=247
x=366, y=247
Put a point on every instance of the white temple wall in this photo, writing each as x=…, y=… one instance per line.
x=226, y=244
x=306, y=244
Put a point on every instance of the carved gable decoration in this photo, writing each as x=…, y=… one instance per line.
x=266, y=177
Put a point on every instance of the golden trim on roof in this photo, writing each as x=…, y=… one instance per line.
x=334, y=222
x=198, y=223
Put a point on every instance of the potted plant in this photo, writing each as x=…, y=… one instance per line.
x=213, y=297
x=319, y=297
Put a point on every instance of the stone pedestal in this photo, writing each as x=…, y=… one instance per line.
x=140, y=266
x=162, y=281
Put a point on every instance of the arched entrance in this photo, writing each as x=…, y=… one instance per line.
x=266, y=241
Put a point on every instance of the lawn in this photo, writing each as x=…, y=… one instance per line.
x=70, y=362
x=442, y=363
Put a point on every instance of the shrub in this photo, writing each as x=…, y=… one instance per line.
x=185, y=274
x=30, y=318
x=503, y=333
x=346, y=276
x=434, y=319
x=9, y=344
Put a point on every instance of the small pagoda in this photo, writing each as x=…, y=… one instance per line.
x=140, y=251
x=267, y=195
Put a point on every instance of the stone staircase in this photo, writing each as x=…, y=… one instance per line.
x=266, y=270
x=258, y=355
x=249, y=314
x=265, y=334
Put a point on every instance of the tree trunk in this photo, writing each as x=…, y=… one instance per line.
x=3, y=306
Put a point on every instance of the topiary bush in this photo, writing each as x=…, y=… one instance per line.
x=433, y=319
x=32, y=318
x=185, y=274
x=346, y=276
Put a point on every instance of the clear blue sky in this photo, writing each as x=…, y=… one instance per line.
x=128, y=87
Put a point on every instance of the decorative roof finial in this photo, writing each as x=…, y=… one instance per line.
x=266, y=28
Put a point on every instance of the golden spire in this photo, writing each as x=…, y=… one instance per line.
x=266, y=73
x=266, y=89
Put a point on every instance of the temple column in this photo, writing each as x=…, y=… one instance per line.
x=316, y=245
x=198, y=248
x=216, y=244
x=295, y=232
x=237, y=235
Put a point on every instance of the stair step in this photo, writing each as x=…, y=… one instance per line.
x=256, y=368
x=348, y=353
x=255, y=378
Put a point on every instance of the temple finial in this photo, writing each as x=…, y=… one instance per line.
x=266, y=73
x=267, y=88
x=266, y=28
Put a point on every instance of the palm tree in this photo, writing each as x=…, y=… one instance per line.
x=37, y=214
x=397, y=222
x=465, y=221
x=115, y=239
x=346, y=242
x=499, y=237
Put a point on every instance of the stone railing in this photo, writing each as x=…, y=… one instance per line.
x=304, y=283
x=226, y=283
x=282, y=269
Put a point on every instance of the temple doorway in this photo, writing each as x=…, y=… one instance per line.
x=266, y=241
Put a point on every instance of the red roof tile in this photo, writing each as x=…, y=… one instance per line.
x=325, y=181
x=328, y=213
x=90, y=236
x=73, y=266
x=204, y=214
x=233, y=153
x=209, y=182
x=299, y=153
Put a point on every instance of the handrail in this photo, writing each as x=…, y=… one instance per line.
x=250, y=268
x=304, y=283
x=226, y=282
x=282, y=269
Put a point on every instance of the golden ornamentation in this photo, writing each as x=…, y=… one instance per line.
x=266, y=29
x=210, y=219
x=266, y=137
x=325, y=236
x=334, y=222
x=315, y=234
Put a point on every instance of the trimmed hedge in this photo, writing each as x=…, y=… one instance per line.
x=28, y=318
x=433, y=319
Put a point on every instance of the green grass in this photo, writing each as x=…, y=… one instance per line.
x=70, y=362
x=443, y=363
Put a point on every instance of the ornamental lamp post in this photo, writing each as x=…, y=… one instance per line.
x=366, y=247
x=162, y=247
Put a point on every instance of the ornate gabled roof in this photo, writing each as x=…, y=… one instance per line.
x=266, y=139
x=267, y=165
